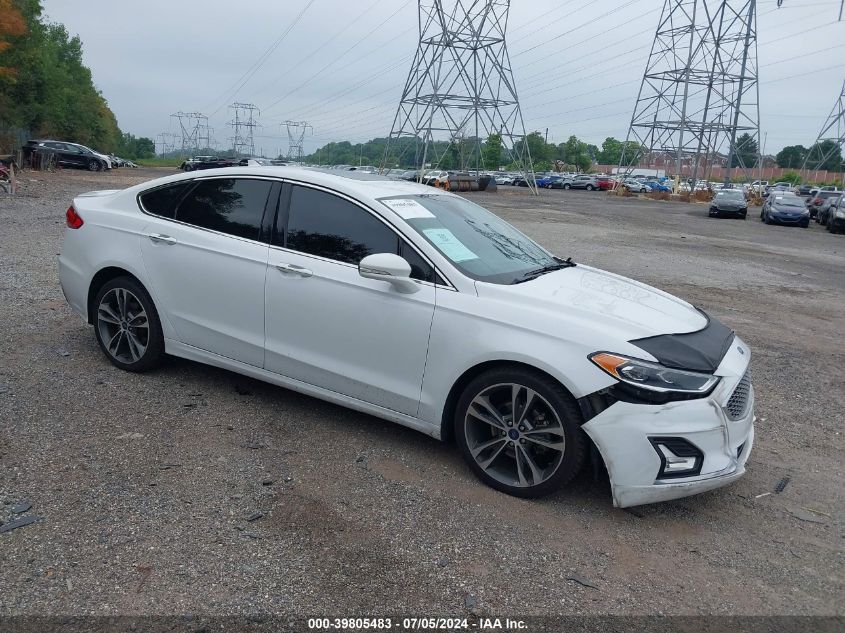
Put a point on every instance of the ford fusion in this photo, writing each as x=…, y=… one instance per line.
x=729, y=202
x=420, y=307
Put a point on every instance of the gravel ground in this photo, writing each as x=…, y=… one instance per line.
x=194, y=490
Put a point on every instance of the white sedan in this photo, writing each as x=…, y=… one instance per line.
x=420, y=307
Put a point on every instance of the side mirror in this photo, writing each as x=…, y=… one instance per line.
x=391, y=268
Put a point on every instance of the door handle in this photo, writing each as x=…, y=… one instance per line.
x=158, y=238
x=293, y=268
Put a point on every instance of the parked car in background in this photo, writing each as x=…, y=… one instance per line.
x=584, y=181
x=804, y=190
x=551, y=182
x=196, y=163
x=504, y=179
x=604, y=183
x=68, y=154
x=636, y=186
x=785, y=208
x=363, y=292
x=829, y=204
x=814, y=204
x=834, y=216
x=729, y=202
x=780, y=187
x=437, y=178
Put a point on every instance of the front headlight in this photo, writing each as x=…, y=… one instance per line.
x=653, y=376
x=840, y=214
x=805, y=212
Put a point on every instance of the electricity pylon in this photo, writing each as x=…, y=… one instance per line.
x=700, y=94
x=296, y=137
x=194, y=130
x=243, y=124
x=460, y=88
x=832, y=130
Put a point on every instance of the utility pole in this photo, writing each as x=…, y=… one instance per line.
x=461, y=78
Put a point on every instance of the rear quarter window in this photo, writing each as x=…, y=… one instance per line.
x=163, y=201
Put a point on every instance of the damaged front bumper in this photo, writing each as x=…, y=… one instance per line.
x=720, y=426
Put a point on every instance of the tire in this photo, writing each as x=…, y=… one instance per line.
x=767, y=220
x=589, y=187
x=130, y=336
x=567, y=186
x=94, y=165
x=506, y=458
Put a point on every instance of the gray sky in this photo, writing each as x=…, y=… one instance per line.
x=342, y=66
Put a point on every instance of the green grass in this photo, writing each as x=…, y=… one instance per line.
x=159, y=162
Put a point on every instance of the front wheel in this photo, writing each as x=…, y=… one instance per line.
x=589, y=187
x=127, y=326
x=93, y=165
x=520, y=432
x=567, y=186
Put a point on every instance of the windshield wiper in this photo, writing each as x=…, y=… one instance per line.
x=533, y=274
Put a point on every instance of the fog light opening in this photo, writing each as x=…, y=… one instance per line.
x=678, y=458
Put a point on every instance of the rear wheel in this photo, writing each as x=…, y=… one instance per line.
x=589, y=187
x=127, y=326
x=520, y=432
x=567, y=186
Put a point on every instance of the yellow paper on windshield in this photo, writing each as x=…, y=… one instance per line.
x=449, y=245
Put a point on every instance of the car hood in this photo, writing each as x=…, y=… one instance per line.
x=589, y=298
x=730, y=203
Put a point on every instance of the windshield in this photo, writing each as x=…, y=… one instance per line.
x=479, y=244
x=730, y=195
x=792, y=201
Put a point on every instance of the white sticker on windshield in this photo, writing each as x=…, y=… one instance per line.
x=449, y=245
x=408, y=209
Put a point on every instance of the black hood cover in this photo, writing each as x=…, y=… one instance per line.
x=695, y=351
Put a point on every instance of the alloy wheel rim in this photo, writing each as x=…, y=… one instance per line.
x=123, y=325
x=514, y=435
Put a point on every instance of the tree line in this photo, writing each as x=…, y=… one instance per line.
x=46, y=89
x=466, y=152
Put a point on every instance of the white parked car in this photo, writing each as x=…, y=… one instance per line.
x=420, y=307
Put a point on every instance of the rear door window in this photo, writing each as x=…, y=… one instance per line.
x=234, y=206
x=163, y=201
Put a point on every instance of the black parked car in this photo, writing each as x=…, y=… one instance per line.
x=729, y=202
x=815, y=203
x=830, y=205
x=785, y=208
x=805, y=190
x=67, y=154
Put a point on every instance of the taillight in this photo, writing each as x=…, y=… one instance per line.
x=73, y=219
x=817, y=201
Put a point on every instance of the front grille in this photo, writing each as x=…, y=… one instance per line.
x=738, y=402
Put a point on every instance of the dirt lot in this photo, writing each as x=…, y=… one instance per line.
x=194, y=490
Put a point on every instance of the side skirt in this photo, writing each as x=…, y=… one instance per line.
x=175, y=348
